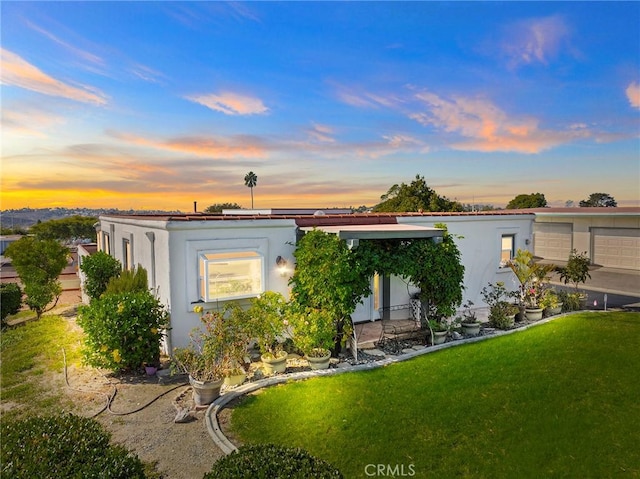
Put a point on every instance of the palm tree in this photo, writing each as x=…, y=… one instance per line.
x=251, y=180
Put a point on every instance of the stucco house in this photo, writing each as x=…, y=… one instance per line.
x=201, y=259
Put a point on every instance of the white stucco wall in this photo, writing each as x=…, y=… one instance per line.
x=480, y=247
x=169, y=250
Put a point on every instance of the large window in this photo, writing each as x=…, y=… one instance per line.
x=126, y=254
x=231, y=275
x=508, y=249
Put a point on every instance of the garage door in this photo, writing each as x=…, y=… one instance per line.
x=552, y=240
x=616, y=247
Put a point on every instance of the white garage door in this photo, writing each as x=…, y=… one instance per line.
x=552, y=240
x=616, y=247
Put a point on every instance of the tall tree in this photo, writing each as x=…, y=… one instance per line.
x=599, y=199
x=66, y=229
x=39, y=263
x=251, y=180
x=416, y=196
x=218, y=207
x=533, y=200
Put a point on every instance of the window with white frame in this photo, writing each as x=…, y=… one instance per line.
x=507, y=251
x=230, y=275
x=126, y=254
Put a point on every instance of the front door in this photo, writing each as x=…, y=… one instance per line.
x=368, y=308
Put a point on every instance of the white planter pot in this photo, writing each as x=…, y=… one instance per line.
x=235, y=380
x=533, y=314
x=321, y=362
x=205, y=392
x=439, y=337
x=274, y=365
x=471, y=329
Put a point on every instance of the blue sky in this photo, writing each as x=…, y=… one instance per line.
x=159, y=104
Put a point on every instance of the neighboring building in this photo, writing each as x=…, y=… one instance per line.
x=6, y=240
x=609, y=236
x=205, y=259
x=84, y=250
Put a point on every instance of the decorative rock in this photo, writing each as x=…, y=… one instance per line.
x=343, y=364
x=417, y=348
x=374, y=352
x=456, y=335
x=183, y=416
x=407, y=351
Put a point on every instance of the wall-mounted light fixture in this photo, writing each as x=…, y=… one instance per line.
x=282, y=265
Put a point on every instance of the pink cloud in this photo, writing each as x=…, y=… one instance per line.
x=230, y=103
x=238, y=147
x=18, y=72
x=535, y=40
x=486, y=127
x=633, y=94
x=321, y=133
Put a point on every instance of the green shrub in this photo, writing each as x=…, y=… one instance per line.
x=123, y=331
x=10, y=299
x=98, y=270
x=129, y=281
x=273, y=462
x=570, y=301
x=63, y=446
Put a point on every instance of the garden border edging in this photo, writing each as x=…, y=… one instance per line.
x=227, y=447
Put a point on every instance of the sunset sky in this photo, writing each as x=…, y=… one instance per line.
x=155, y=105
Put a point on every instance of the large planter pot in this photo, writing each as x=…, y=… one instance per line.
x=235, y=379
x=439, y=337
x=533, y=314
x=554, y=311
x=471, y=329
x=205, y=392
x=274, y=365
x=321, y=362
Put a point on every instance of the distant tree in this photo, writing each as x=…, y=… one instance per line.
x=477, y=207
x=39, y=263
x=533, y=200
x=416, y=196
x=66, y=229
x=360, y=209
x=218, y=207
x=251, y=180
x=569, y=204
x=98, y=269
x=599, y=199
x=13, y=231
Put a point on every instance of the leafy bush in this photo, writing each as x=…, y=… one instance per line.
x=570, y=301
x=129, y=281
x=98, y=269
x=123, y=331
x=63, y=446
x=273, y=462
x=577, y=269
x=10, y=299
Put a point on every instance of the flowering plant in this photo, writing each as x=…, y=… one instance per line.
x=533, y=277
x=314, y=331
x=269, y=323
x=203, y=359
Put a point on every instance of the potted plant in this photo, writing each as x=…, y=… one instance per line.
x=551, y=302
x=439, y=331
x=469, y=320
x=202, y=360
x=501, y=311
x=236, y=335
x=269, y=324
x=314, y=332
x=533, y=278
x=576, y=271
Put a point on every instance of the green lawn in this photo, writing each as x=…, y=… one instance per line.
x=558, y=400
x=28, y=351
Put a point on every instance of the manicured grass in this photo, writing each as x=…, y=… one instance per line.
x=558, y=400
x=28, y=351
